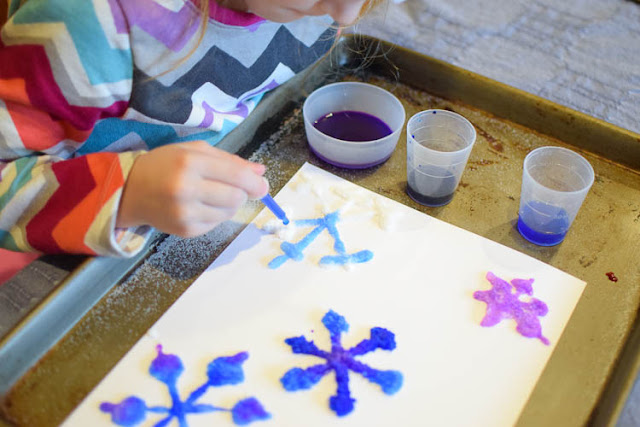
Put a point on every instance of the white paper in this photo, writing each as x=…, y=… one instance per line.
x=418, y=285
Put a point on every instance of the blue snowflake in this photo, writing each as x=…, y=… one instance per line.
x=328, y=222
x=167, y=368
x=341, y=361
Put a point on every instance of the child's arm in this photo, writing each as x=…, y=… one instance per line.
x=198, y=187
x=60, y=72
x=52, y=205
x=54, y=87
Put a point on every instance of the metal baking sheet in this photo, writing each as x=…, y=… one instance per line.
x=593, y=366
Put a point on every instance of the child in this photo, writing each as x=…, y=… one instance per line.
x=95, y=94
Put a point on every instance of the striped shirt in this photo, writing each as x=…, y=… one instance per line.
x=82, y=94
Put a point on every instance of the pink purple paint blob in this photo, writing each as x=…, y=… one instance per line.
x=503, y=302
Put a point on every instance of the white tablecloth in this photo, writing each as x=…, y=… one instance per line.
x=584, y=54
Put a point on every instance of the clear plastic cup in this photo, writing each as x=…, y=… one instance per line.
x=359, y=97
x=555, y=182
x=439, y=143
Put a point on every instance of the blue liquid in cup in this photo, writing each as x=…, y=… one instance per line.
x=543, y=224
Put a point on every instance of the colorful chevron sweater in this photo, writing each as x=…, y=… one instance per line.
x=82, y=94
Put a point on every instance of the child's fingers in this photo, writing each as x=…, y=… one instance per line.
x=215, y=218
x=221, y=195
x=211, y=215
x=236, y=174
x=217, y=153
x=258, y=168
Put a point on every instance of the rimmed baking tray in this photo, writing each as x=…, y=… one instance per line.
x=54, y=356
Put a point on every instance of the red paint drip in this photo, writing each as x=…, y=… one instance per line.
x=612, y=276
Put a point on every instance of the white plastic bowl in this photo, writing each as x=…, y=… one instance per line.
x=353, y=96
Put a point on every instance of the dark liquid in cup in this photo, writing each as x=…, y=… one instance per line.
x=431, y=185
x=353, y=126
x=428, y=200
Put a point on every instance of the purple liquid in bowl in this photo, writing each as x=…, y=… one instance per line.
x=353, y=126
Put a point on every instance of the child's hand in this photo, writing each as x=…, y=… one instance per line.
x=187, y=189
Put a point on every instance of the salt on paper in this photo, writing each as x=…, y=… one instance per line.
x=421, y=291
x=336, y=203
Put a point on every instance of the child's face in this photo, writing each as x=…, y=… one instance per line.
x=342, y=11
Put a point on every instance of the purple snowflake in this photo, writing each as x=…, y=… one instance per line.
x=167, y=368
x=341, y=361
x=503, y=302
